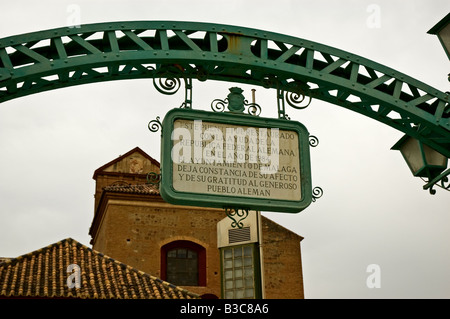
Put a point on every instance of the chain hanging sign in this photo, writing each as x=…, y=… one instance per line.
x=233, y=159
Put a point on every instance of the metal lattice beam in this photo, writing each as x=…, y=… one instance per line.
x=46, y=60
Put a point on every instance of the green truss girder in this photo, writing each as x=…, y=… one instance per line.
x=51, y=59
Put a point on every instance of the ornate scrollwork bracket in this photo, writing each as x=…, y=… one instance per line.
x=444, y=184
x=297, y=97
x=236, y=103
x=441, y=185
x=155, y=125
x=317, y=192
x=237, y=216
x=153, y=178
x=441, y=181
x=168, y=81
x=313, y=141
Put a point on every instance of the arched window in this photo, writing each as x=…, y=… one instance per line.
x=183, y=263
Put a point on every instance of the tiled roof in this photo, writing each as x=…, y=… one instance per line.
x=44, y=273
x=144, y=189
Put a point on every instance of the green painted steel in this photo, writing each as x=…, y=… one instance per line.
x=51, y=59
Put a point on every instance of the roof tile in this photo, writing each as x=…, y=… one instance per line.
x=44, y=273
x=143, y=189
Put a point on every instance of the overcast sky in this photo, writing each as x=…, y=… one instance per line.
x=373, y=210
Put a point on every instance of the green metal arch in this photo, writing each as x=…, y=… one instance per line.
x=51, y=59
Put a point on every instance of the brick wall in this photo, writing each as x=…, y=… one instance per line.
x=282, y=262
x=133, y=231
x=132, y=228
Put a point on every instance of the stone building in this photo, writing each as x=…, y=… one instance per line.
x=192, y=247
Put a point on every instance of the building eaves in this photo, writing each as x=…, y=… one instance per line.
x=44, y=274
x=142, y=189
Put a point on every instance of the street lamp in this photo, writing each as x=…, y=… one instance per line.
x=432, y=165
x=423, y=161
x=442, y=30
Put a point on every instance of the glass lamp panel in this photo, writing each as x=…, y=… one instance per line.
x=413, y=155
x=444, y=37
x=433, y=157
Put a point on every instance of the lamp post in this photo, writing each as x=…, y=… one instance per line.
x=424, y=162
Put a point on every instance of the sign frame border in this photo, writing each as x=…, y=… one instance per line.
x=172, y=196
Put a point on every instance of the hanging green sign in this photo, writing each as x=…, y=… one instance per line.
x=235, y=160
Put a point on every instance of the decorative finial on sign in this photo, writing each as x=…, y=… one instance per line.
x=236, y=103
x=237, y=216
x=236, y=100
